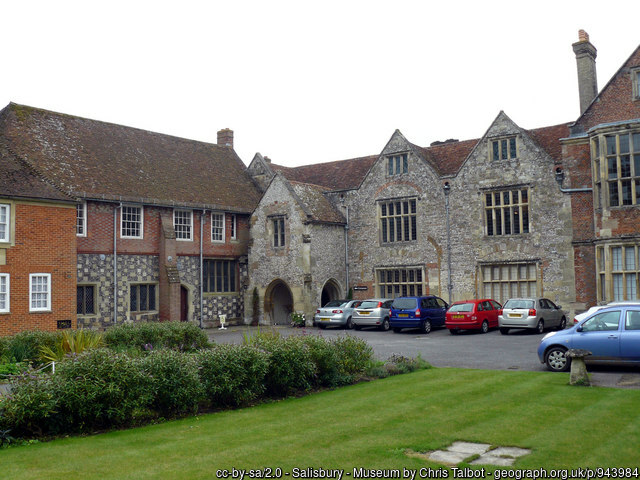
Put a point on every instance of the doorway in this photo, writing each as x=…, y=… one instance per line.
x=278, y=303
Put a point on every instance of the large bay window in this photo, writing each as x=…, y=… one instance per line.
x=616, y=164
x=618, y=272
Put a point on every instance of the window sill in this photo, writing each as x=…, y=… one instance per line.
x=40, y=311
x=220, y=294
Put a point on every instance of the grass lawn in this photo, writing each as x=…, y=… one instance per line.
x=367, y=425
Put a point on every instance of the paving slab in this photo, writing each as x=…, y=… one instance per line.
x=514, y=452
x=487, y=459
x=444, y=456
x=469, y=448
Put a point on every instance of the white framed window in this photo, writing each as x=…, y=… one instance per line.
x=5, y=222
x=217, y=227
x=183, y=224
x=234, y=226
x=81, y=219
x=278, y=232
x=397, y=164
x=4, y=292
x=131, y=221
x=39, y=292
x=618, y=272
x=504, y=148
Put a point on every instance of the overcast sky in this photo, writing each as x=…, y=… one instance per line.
x=305, y=82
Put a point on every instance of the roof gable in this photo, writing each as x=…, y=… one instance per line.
x=93, y=159
x=615, y=101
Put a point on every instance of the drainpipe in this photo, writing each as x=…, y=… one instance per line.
x=447, y=189
x=560, y=179
x=201, y=265
x=115, y=263
x=346, y=249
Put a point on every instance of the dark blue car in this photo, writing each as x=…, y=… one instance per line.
x=422, y=313
x=611, y=334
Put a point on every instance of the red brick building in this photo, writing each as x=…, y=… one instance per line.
x=37, y=251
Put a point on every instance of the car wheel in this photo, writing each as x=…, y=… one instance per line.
x=556, y=360
x=396, y=329
x=349, y=324
x=357, y=327
x=453, y=331
x=504, y=331
x=425, y=326
x=485, y=327
x=384, y=326
x=540, y=326
x=563, y=323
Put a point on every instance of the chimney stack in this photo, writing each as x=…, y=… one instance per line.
x=225, y=138
x=587, y=79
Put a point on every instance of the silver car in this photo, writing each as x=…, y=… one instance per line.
x=373, y=312
x=533, y=313
x=336, y=313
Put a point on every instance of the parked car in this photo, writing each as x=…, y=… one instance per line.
x=373, y=312
x=479, y=314
x=533, y=313
x=595, y=308
x=336, y=313
x=418, y=312
x=611, y=334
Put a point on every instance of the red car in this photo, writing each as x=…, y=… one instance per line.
x=472, y=315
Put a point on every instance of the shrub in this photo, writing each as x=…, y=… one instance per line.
x=25, y=346
x=174, y=383
x=31, y=406
x=398, y=364
x=183, y=336
x=291, y=367
x=232, y=375
x=71, y=342
x=100, y=389
x=326, y=360
x=354, y=356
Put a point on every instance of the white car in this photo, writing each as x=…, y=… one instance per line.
x=595, y=308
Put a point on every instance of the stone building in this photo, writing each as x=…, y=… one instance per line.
x=156, y=227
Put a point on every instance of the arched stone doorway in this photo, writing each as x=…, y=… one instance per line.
x=278, y=303
x=330, y=291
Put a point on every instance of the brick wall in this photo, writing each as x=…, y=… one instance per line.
x=45, y=242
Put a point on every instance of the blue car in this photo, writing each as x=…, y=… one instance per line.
x=611, y=334
x=422, y=313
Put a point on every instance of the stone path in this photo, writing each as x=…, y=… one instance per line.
x=474, y=454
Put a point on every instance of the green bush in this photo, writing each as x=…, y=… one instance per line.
x=25, y=346
x=291, y=366
x=232, y=375
x=398, y=364
x=30, y=408
x=173, y=381
x=354, y=356
x=183, y=336
x=326, y=360
x=101, y=389
x=9, y=369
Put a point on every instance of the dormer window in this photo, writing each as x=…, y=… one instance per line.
x=504, y=148
x=397, y=164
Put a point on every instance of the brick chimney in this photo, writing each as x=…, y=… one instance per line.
x=587, y=79
x=225, y=138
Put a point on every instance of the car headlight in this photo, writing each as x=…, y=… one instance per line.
x=548, y=335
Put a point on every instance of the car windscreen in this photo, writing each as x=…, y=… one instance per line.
x=461, y=307
x=369, y=304
x=514, y=304
x=335, y=303
x=404, y=303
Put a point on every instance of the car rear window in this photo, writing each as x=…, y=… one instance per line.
x=461, y=307
x=404, y=303
x=519, y=304
x=369, y=304
x=335, y=303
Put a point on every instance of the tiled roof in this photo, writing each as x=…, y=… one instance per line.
x=18, y=180
x=447, y=158
x=93, y=159
x=549, y=139
x=339, y=175
x=316, y=203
